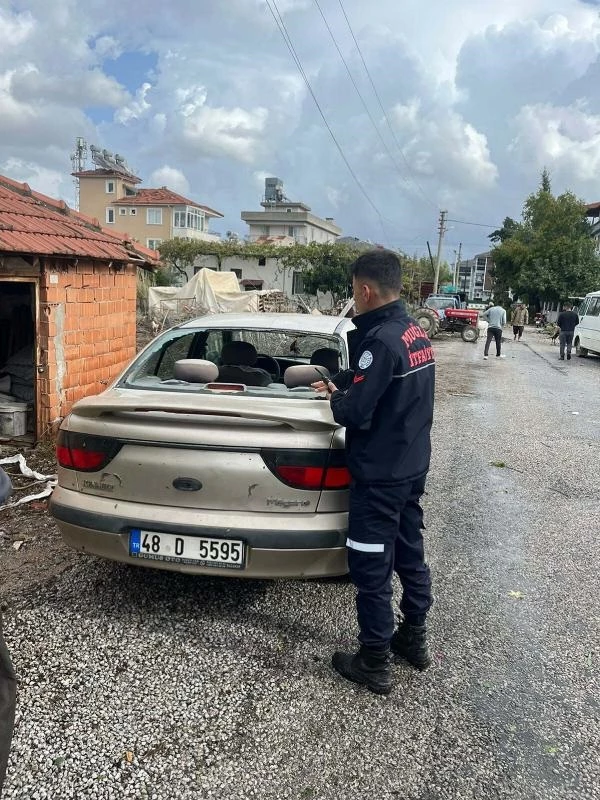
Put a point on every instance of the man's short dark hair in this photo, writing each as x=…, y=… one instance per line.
x=568, y=305
x=382, y=267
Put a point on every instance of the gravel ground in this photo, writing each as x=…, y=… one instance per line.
x=137, y=684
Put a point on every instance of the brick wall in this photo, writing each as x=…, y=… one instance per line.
x=87, y=332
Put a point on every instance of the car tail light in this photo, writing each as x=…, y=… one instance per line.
x=83, y=452
x=309, y=469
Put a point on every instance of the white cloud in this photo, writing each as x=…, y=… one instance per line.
x=566, y=140
x=47, y=181
x=15, y=29
x=440, y=143
x=232, y=132
x=107, y=47
x=91, y=88
x=137, y=108
x=173, y=178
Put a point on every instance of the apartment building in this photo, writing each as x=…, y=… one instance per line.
x=150, y=216
x=287, y=221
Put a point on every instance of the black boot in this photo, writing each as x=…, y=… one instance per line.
x=410, y=643
x=370, y=668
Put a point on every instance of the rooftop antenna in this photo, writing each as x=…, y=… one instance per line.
x=78, y=162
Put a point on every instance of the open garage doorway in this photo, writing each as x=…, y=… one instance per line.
x=18, y=359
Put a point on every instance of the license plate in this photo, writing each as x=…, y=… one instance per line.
x=197, y=550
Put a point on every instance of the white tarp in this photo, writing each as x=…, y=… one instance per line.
x=50, y=481
x=208, y=292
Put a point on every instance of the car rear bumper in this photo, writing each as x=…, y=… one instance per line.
x=277, y=545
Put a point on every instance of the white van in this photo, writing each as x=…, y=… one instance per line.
x=587, y=333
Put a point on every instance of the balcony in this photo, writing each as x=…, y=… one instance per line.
x=192, y=233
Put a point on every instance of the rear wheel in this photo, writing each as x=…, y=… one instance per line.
x=428, y=321
x=581, y=351
x=469, y=333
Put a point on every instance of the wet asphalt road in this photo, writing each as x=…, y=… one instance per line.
x=141, y=684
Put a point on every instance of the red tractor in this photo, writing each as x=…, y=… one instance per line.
x=442, y=312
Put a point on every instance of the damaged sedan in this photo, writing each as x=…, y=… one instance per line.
x=212, y=454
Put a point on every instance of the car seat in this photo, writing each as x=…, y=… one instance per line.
x=237, y=365
x=326, y=357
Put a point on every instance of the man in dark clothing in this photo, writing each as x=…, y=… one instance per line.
x=8, y=683
x=567, y=320
x=387, y=409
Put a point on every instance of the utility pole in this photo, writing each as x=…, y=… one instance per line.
x=442, y=231
x=457, y=265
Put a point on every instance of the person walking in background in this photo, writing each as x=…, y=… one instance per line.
x=567, y=320
x=496, y=319
x=520, y=318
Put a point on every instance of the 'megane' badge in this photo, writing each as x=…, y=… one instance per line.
x=365, y=360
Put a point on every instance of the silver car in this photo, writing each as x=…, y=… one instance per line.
x=212, y=454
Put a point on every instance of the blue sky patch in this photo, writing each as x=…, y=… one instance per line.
x=132, y=69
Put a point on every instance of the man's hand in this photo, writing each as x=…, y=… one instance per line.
x=325, y=386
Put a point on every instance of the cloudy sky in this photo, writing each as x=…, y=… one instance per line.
x=204, y=96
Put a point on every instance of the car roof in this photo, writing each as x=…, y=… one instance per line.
x=301, y=323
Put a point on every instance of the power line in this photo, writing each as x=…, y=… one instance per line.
x=358, y=92
x=395, y=138
x=287, y=39
x=477, y=224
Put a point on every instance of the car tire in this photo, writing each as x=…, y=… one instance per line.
x=469, y=334
x=427, y=320
x=581, y=351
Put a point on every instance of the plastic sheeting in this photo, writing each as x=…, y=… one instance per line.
x=208, y=292
x=49, y=481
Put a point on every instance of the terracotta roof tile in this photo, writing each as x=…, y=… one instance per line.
x=162, y=196
x=105, y=173
x=32, y=223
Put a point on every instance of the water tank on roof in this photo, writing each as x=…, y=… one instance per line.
x=273, y=190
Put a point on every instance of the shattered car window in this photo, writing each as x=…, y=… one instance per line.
x=155, y=366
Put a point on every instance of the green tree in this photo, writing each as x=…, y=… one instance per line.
x=549, y=255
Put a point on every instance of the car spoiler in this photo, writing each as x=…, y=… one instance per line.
x=302, y=414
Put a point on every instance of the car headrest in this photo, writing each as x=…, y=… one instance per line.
x=195, y=370
x=240, y=354
x=302, y=375
x=326, y=357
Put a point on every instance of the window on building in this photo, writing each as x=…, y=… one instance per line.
x=179, y=219
x=153, y=244
x=129, y=191
x=110, y=187
x=291, y=230
x=122, y=211
x=481, y=262
x=195, y=219
x=110, y=215
x=297, y=283
x=133, y=211
x=289, y=210
x=238, y=273
x=154, y=216
x=266, y=230
x=262, y=261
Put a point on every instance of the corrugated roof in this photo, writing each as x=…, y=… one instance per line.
x=34, y=224
x=161, y=197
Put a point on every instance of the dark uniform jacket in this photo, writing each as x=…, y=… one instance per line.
x=387, y=407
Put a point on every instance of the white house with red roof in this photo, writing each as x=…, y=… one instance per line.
x=150, y=216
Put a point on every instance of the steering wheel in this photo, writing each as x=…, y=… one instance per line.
x=269, y=364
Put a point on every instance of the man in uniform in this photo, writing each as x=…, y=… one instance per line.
x=386, y=405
